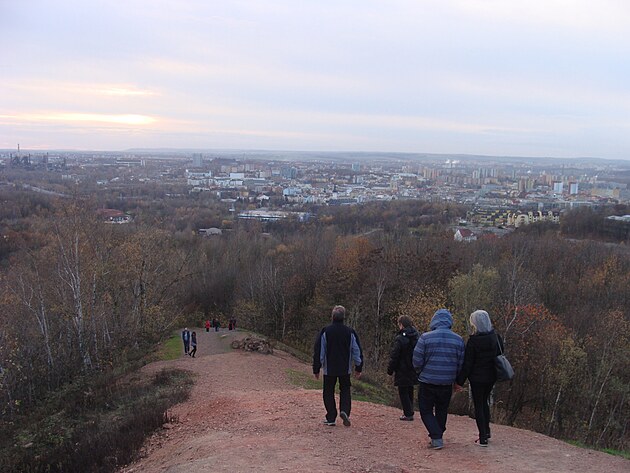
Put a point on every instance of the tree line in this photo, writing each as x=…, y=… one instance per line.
x=80, y=296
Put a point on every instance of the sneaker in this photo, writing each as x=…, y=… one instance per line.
x=329, y=423
x=481, y=443
x=345, y=418
x=436, y=444
x=407, y=418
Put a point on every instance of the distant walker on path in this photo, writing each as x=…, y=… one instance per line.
x=186, y=340
x=336, y=347
x=193, y=343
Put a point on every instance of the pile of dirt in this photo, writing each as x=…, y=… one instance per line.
x=260, y=345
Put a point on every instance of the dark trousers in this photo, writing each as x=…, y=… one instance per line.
x=433, y=401
x=481, y=400
x=329, y=395
x=406, y=399
x=193, y=351
x=186, y=346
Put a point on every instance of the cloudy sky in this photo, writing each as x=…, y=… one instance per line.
x=497, y=77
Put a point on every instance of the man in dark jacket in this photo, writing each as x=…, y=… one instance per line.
x=438, y=357
x=186, y=340
x=336, y=347
x=400, y=363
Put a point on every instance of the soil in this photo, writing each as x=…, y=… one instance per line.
x=244, y=414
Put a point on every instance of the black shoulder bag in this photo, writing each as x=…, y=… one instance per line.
x=504, y=369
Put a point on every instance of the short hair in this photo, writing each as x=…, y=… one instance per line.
x=405, y=321
x=480, y=322
x=338, y=313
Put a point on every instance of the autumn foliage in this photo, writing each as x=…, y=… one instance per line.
x=78, y=296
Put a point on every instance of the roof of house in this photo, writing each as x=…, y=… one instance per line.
x=111, y=213
x=465, y=233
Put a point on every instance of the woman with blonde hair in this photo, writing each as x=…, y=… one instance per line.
x=481, y=349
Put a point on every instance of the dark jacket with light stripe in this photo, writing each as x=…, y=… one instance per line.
x=336, y=347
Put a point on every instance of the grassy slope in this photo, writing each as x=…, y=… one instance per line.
x=95, y=423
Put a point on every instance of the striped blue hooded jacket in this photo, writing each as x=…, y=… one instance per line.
x=439, y=353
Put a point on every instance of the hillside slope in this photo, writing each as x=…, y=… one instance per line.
x=245, y=415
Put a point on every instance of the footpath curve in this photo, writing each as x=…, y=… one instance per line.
x=245, y=415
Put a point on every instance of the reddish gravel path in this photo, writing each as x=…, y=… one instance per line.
x=244, y=415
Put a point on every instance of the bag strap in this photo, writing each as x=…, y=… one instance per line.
x=498, y=343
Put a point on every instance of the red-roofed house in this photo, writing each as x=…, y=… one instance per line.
x=463, y=234
x=114, y=216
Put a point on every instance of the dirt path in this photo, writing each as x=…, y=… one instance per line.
x=245, y=415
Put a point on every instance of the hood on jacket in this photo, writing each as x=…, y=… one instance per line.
x=410, y=333
x=441, y=319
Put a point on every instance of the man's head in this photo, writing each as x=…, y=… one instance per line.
x=404, y=321
x=338, y=313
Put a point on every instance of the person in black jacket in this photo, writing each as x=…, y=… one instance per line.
x=400, y=363
x=186, y=340
x=336, y=347
x=481, y=349
x=193, y=344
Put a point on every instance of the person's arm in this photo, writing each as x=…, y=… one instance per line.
x=357, y=353
x=460, y=356
x=394, y=356
x=418, y=355
x=319, y=353
x=467, y=364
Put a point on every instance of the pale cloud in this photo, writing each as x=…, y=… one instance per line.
x=124, y=91
x=81, y=88
x=88, y=118
x=580, y=15
x=493, y=76
x=551, y=92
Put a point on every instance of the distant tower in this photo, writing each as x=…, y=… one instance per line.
x=197, y=160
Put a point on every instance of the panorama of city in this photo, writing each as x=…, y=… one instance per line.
x=499, y=193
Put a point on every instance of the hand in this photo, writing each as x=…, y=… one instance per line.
x=316, y=375
x=357, y=374
x=457, y=388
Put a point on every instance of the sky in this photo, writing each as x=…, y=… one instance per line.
x=547, y=78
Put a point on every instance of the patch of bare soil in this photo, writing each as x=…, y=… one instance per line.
x=244, y=415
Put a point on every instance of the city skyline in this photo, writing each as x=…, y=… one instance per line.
x=489, y=78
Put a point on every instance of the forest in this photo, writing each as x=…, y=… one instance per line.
x=80, y=297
